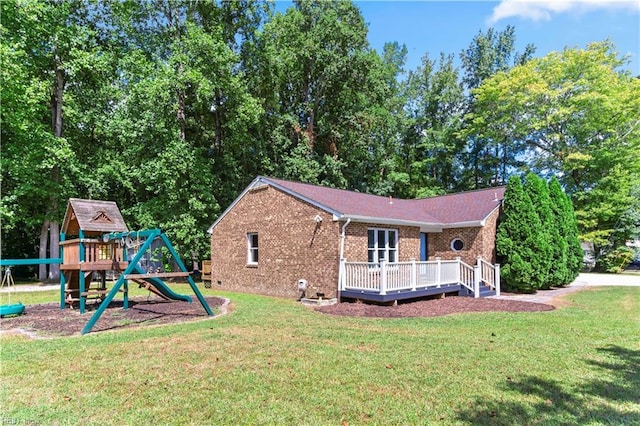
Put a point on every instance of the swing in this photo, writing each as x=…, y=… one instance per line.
x=10, y=309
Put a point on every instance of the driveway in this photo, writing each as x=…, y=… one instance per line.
x=583, y=280
x=592, y=279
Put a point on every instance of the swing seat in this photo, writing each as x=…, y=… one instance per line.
x=11, y=310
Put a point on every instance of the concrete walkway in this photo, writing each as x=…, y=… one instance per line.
x=583, y=280
x=21, y=288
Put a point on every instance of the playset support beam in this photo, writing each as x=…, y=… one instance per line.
x=63, y=279
x=190, y=280
x=150, y=236
x=114, y=290
x=22, y=262
x=81, y=283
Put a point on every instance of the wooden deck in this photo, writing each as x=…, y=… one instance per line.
x=386, y=281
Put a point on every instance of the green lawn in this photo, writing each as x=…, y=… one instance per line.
x=272, y=361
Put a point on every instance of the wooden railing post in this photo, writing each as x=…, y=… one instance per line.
x=496, y=278
x=383, y=276
x=414, y=275
x=477, y=272
x=438, y=271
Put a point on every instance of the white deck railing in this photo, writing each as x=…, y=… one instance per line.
x=489, y=274
x=411, y=276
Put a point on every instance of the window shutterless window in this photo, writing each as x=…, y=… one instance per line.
x=382, y=244
x=457, y=244
x=252, y=248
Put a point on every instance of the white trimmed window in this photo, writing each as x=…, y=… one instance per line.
x=252, y=248
x=382, y=244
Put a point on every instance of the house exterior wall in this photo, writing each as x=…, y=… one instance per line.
x=478, y=241
x=356, y=241
x=291, y=246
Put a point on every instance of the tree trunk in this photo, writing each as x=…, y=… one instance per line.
x=50, y=231
x=56, y=98
x=42, y=252
x=54, y=250
x=180, y=114
x=218, y=115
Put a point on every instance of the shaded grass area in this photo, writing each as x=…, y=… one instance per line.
x=273, y=361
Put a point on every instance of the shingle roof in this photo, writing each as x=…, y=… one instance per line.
x=93, y=215
x=454, y=210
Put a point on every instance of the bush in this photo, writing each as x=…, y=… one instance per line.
x=615, y=260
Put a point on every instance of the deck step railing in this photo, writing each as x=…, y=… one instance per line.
x=384, y=277
x=489, y=275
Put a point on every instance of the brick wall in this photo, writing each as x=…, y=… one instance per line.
x=291, y=246
x=356, y=241
x=477, y=242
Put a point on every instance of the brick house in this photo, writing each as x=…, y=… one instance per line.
x=280, y=236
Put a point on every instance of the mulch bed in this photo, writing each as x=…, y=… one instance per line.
x=433, y=307
x=48, y=320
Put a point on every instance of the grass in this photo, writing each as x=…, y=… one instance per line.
x=272, y=361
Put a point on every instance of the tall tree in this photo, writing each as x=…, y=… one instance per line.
x=319, y=93
x=186, y=116
x=435, y=106
x=568, y=253
x=579, y=118
x=488, y=159
x=40, y=162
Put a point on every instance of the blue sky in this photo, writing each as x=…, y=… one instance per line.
x=551, y=25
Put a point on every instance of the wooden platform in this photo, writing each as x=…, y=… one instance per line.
x=156, y=275
x=102, y=265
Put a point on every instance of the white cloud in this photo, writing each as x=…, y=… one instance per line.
x=537, y=10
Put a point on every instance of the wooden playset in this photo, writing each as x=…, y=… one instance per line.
x=95, y=243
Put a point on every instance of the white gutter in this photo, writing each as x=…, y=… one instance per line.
x=469, y=224
x=342, y=237
x=340, y=268
x=426, y=226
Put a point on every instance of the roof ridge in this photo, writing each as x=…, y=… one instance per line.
x=297, y=182
x=470, y=191
x=383, y=196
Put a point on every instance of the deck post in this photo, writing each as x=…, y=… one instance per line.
x=438, y=271
x=477, y=274
x=341, y=274
x=383, y=276
x=496, y=278
x=414, y=274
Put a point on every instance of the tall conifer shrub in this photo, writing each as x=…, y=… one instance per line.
x=560, y=270
x=520, y=241
x=537, y=190
x=575, y=253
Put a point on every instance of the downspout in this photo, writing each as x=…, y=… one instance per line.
x=340, y=268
